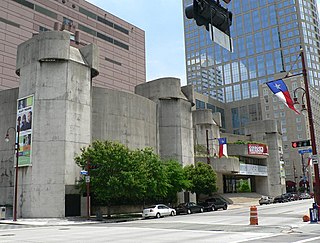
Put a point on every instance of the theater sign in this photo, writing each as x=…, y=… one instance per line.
x=258, y=150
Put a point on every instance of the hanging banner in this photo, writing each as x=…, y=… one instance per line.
x=24, y=114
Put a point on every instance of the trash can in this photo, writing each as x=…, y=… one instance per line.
x=2, y=212
x=313, y=215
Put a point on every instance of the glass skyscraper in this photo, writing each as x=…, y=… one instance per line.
x=267, y=37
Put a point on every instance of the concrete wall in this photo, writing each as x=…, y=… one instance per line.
x=174, y=127
x=174, y=118
x=60, y=80
x=8, y=115
x=124, y=117
x=268, y=132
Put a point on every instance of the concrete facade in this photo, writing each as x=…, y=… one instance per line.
x=124, y=117
x=60, y=79
x=69, y=113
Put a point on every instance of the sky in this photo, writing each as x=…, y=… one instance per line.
x=162, y=22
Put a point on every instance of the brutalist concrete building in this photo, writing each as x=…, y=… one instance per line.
x=69, y=113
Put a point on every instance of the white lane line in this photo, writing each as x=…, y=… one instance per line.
x=307, y=240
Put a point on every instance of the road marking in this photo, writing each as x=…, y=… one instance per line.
x=307, y=240
x=257, y=238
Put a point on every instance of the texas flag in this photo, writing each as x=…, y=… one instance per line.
x=279, y=88
x=222, y=147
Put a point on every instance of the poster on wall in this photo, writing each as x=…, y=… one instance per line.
x=24, y=114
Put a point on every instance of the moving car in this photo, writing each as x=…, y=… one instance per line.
x=189, y=208
x=213, y=204
x=157, y=211
x=265, y=200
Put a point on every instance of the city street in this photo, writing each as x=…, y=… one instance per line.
x=277, y=223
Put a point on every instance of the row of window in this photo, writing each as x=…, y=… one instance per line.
x=102, y=36
x=6, y=21
x=80, y=26
x=102, y=20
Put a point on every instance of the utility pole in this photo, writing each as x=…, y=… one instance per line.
x=88, y=188
x=208, y=150
x=312, y=134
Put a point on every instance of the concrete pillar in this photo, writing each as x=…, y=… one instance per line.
x=59, y=78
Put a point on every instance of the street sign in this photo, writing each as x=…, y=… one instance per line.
x=87, y=179
x=83, y=172
x=314, y=159
x=304, y=151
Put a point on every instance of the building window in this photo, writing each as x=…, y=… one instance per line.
x=67, y=21
x=200, y=104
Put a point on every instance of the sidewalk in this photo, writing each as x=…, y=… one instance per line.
x=64, y=221
x=49, y=221
x=240, y=200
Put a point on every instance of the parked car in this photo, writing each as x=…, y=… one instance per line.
x=291, y=196
x=280, y=199
x=265, y=200
x=304, y=195
x=213, y=204
x=189, y=208
x=157, y=211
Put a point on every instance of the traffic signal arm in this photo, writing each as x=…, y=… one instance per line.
x=303, y=143
x=206, y=12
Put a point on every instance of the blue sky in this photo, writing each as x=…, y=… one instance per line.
x=162, y=22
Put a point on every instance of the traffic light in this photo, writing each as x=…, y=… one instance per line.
x=304, y=143
x=206, y=12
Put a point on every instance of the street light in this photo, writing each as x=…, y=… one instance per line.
x=17, y=148
x=311, y=126
x=296, y=103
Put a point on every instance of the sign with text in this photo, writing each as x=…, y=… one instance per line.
x=24, y=114
x=257, y=149
x=305, y=151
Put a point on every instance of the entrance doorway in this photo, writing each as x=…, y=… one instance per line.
x=238, y=183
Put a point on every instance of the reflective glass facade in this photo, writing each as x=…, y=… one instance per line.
x=267, y=37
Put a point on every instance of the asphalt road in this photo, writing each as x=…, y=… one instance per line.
x=277, y=223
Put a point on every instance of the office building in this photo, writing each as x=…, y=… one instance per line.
x=267, y=38
x=121, y=44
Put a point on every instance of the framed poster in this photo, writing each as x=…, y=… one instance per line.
x=24, y=114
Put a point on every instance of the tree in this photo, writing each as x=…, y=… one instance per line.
x=203, y=179
x=112, y=174
x=123, y=175
x=151, y=180
x=177, y=180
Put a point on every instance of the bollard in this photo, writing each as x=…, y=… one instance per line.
x=253, y=215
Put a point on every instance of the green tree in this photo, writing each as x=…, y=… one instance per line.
x=123, y=175
x=113, y=172
x=177, y=180
x=151, y=179
x=203, y=179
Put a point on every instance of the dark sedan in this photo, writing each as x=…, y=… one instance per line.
x=281, y=199
x=213, y=204
x=189, y=208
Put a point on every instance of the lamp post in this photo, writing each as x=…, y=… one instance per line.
x=17, y=148
x=208, y=149
x=311, y=127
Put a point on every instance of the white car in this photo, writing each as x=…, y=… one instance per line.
x=157, y=211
